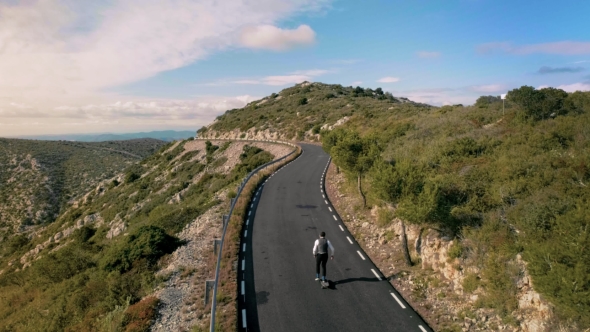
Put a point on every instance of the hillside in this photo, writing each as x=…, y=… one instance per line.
x=135, y=252
x=38, y=178
x=479, y=214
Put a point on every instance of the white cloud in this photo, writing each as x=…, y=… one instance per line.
x=488, y=88
x=272, y=38
x=561, y=47
x=388, y=79
x=311, y=72
x=66, y=52
x=126, y=113
x=346, y=61
x=276, y=80
x=428, y=55
x=575, y=87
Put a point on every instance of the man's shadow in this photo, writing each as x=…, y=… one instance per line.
x=334, y=283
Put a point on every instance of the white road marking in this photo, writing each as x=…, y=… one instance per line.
x=247, y=222
x=349, y=240
x=322, y=191
x=398, y=301
x=376, y=274
x=320, y=185
x=243, y=264
x=252, y=205
x=326, y=201
x=243, y=288
x=323, y=196
x=255, y=199
x=334, y=217
x=329, y=208
x=421, y=328
x=249, y=212
x=246, y=233
x=342, y=229
x=363, y=257
x=244, y=248
x=244, y=325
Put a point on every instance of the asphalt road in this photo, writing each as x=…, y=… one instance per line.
x=277, y=268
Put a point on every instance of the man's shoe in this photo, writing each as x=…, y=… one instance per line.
x=317, y=279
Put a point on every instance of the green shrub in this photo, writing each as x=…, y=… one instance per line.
x=139, y=316
x=148, y=243
x=470, y=282
x=384, y=217
x=456, y=250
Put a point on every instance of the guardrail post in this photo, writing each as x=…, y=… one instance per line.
x=208, y=287
x=224, y=219
x=217, y=242
x=232, y=201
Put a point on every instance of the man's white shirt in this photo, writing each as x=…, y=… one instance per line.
x=316, y=245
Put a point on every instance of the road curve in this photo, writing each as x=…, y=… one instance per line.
x=276, y=266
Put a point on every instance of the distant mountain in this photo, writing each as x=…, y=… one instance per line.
x=165, y=135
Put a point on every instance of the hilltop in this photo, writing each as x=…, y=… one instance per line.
x=299, y=112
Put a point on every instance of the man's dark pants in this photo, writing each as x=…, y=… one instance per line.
x=323, y=259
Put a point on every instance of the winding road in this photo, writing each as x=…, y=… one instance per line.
x=277, y=269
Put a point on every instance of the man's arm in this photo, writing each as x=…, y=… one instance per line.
x=315, y=247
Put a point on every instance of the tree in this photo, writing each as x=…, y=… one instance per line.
x=402, y=180
x=538, y=104
x=303, y=101
x=353, y=153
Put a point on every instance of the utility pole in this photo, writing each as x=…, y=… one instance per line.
x=503, y=96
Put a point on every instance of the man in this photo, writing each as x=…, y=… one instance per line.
x=320, y=251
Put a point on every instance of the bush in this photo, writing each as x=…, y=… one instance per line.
x=470, y=282
x=148, y=243
x=456, y=250
x=384, y=217
x=139, y=316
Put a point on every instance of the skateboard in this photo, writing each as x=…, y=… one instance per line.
x=325, y=284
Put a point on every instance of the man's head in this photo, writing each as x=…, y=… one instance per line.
x=323, y=234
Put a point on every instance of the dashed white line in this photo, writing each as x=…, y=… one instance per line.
x=252, y=205
x=334, y=217
x=246, y=233
x=244, y=248
x=243, y=264
x=421, y=328
x=349, y=240
x=244, y=325
x=329, y=208
x=342, y=229
x=363, y=257
x=249, y=212
x=324, y=196
x=243, y=288
x=326, y=201
x=247, y=222
x=376, y=274
x=398, y=301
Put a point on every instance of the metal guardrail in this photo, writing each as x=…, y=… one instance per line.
x=231, y=209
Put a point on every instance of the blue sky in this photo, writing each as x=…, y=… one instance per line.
x=141, y=65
